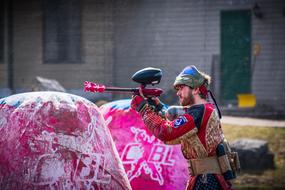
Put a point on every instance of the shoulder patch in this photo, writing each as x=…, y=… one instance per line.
x=180, y=121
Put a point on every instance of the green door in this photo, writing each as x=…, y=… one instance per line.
x=235, y=54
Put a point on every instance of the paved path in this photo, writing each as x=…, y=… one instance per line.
x=245, y=121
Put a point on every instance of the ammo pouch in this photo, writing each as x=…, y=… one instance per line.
x=228, y=160
x=233, y=157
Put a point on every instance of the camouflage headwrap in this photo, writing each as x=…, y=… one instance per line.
x=192, y=77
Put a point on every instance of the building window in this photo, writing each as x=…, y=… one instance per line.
x=2, y=31
x=62, y=31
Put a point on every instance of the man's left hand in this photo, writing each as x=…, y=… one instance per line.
x=138, y=103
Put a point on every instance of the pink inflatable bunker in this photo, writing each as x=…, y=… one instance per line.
x=149, y=163
x=52, y=140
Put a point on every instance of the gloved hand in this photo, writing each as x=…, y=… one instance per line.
x=156, y=103
x=138, y=103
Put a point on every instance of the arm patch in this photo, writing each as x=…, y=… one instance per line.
x=180, y=121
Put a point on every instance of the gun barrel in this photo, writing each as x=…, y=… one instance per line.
x=93, y=87
x=118, y=89
x=148, y=92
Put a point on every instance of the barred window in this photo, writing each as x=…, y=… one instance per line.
x=62, y=31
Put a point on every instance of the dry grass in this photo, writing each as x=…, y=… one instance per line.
x=269, y=179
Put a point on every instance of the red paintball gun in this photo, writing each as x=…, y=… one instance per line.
x=144, y=77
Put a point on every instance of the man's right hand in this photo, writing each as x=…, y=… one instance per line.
x=156, y=103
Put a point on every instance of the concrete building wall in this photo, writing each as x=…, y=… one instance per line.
x=269, y=79
x=122, y=36
x=3, y=46
x=173, y=34
x=3, y=75
x=97, y=46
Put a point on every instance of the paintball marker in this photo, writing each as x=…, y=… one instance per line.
x=144, y=76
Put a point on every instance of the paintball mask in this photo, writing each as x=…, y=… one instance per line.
x=192, y=77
